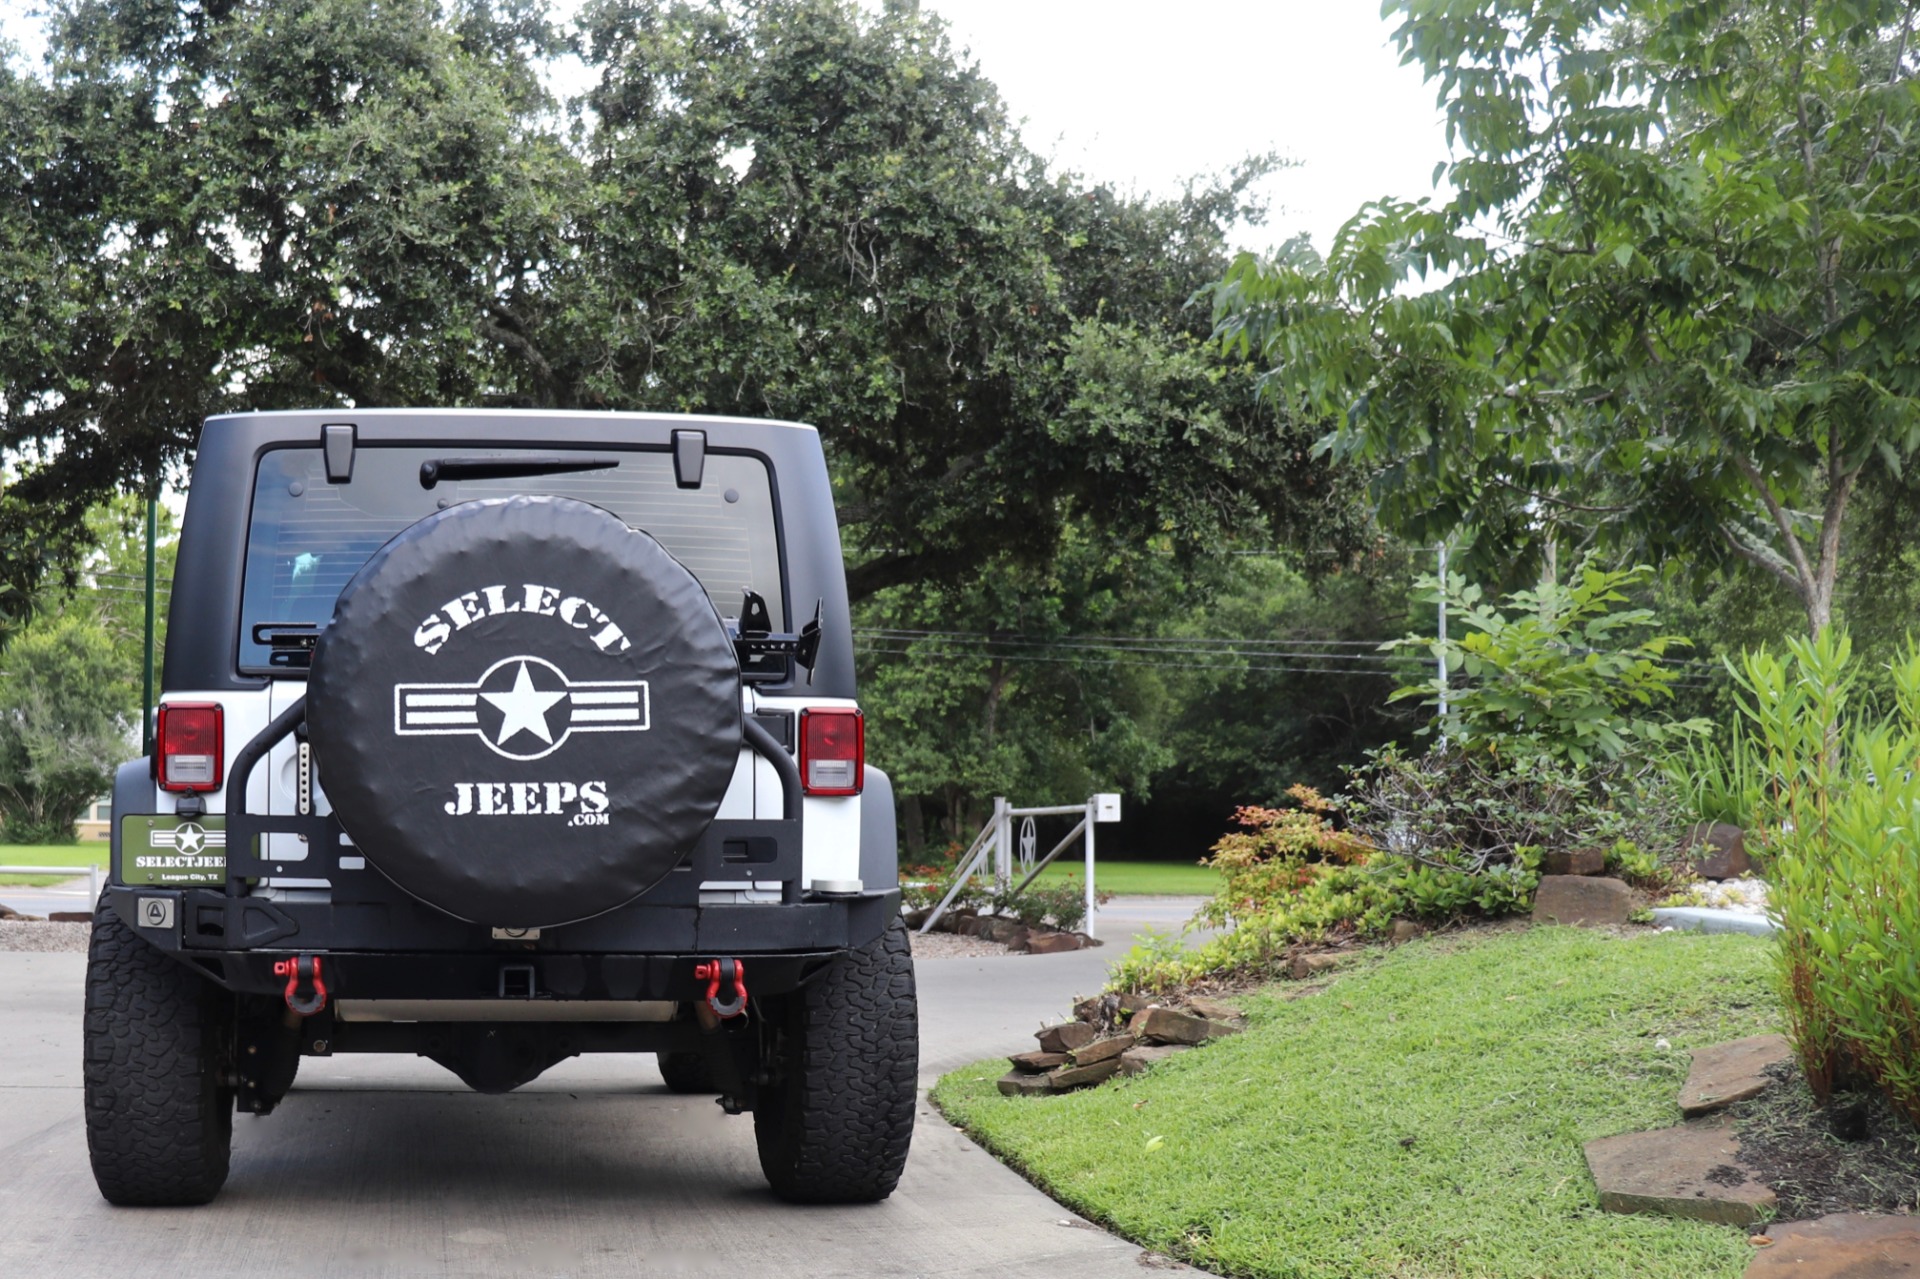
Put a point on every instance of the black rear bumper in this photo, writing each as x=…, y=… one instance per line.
x=378, y=942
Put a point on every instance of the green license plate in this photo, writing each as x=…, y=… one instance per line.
x=172, y=851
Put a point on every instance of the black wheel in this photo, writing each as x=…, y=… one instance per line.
x=834, y=1125
x=159, y=1123
x=687, y=1072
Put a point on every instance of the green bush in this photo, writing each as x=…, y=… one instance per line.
x=1719, y=783
x=1559, y=674
x=1043, y=905
x=1841, y=827
x=1293, y=877
x=1460, y=809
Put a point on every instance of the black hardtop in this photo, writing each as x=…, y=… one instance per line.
x=203, y=619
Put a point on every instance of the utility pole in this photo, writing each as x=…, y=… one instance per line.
x=1442, y=644
x=146, y=675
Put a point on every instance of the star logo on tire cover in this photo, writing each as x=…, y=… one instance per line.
x=523, y=708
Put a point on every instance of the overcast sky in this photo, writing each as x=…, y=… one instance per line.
x=1145, y=93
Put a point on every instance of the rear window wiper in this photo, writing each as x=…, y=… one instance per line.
x=507, y=468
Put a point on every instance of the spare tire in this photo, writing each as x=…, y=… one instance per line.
x=524, y=711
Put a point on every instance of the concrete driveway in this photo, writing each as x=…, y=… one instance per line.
x=384, y=1166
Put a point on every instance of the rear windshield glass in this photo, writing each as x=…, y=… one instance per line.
x=308, y=537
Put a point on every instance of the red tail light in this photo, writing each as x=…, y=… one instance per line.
x=833, y=752
x=189, y=746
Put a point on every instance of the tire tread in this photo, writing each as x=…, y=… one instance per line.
x=837, y=1129
x=159, y=1125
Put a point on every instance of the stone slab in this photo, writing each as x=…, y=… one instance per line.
x=1581, y=900
x=1719, y=851
x=1101, y=1049
x=1135, y=1060
x=1214, y=1009
x=1054, y=943
x=1167, y=1026
x=1841, y=1246
x=1080, y=1076
x=1037, y=1063
x=1065, y=1037
x=1689, y=1171
x=1573, y=861
x=1017, y=1083
x=1304, y=966
x=1726, y=1073
x=1708, y=919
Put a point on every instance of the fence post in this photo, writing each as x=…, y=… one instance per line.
x=1090, y=894
x=1002, y=844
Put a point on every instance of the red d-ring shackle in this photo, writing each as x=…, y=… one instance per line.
x=718, y=971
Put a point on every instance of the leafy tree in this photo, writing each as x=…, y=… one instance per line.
x=979, y=690
x=799, y=208
x=228, y=206
x=1670, y=305
x=66, y=720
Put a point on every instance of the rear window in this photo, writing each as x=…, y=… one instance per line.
x=308, y=537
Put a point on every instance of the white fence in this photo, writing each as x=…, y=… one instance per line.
x=66, y=872
x=996, y=841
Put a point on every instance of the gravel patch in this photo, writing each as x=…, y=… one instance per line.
x=953, y=946
x=1742, y=896
x=16, y=934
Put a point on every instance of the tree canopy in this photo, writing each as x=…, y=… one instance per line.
x=800, y=209
x=1672, y=304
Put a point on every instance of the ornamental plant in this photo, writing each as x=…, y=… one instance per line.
x=1840, y=821
x=1560, y=672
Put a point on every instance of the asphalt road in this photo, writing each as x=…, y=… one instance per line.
x=385, y=1166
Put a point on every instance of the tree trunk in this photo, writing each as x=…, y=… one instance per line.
x=915, y=821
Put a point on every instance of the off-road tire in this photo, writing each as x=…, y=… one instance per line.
x=159, y=1123
x=834, y=1125
x=687, y=1073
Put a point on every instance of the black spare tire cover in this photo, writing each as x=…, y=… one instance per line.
x=524, y=711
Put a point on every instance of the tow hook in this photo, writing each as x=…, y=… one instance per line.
x=718, y=971
x=306, y=988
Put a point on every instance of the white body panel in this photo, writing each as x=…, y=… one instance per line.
x=830, y=848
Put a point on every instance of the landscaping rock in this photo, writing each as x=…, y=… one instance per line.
x=1017, y=1084
x=1065, y=1037
x=1726, y=1073
x=1080, y=1076
x=1101, y=1049
x=1407, y=930
x=70, y=917
x=1719, y=851
x=1137, y=1059
x=1312, y=965
x=1214, y=1009
x=1842, y=1246
x=1690, y=1171
x=1578, y=899
x=1053, y=943
x=1037, y=1063
x=1004, y=931
x=1166, y=1026
x=1576, y=861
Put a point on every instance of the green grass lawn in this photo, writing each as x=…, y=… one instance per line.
x=1138, y=879
x=79, y=856
x=1422, y=1116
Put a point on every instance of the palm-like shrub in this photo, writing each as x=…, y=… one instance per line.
x=1840, y=823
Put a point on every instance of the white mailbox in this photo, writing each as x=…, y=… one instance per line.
x=1106, y=808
